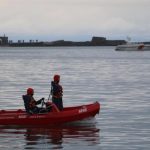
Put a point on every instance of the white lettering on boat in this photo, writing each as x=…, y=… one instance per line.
x=83, y=109
x=6, y=117
x=22, y=116
x=37, y=116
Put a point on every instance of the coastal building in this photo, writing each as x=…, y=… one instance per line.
x=102, y=41
x=98, y=41
x=3, y=40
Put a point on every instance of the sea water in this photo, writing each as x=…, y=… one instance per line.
x=119, y=81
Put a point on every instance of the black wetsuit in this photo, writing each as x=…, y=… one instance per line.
x=30, y=104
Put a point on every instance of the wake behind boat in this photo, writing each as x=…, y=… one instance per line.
x=67, y=115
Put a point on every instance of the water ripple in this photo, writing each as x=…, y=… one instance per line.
x=119, y=81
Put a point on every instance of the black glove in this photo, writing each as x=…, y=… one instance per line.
x=39, y=101
x=42, y=99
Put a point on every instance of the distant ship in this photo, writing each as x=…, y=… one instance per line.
x=133, y=47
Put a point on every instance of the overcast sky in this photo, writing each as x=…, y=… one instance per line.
x=76, y=20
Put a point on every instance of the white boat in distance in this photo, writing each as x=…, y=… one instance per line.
x=133, y=47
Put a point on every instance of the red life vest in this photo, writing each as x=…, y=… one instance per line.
x=57, y=90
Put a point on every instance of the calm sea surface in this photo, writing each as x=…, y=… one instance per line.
x=120, y=81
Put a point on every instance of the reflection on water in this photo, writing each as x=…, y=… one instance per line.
x=50, y=137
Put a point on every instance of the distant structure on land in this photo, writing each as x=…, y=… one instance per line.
x=3, y=40
x=102, y=41
x=95, y=41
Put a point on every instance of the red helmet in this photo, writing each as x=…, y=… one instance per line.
x=30, y=91
x=56, y=78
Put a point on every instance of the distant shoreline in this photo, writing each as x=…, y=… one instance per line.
x=95, y=41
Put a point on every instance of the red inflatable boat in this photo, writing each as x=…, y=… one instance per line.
x=68, y=114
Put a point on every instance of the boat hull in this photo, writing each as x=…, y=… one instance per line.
x=69, y=114
x=133, y=47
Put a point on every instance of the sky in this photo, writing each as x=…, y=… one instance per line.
x=75, y=20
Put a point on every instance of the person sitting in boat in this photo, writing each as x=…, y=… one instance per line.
x=30, y=103
x=57, y=92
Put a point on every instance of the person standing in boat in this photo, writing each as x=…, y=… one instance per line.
x=57, y=92
x=30, y=103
